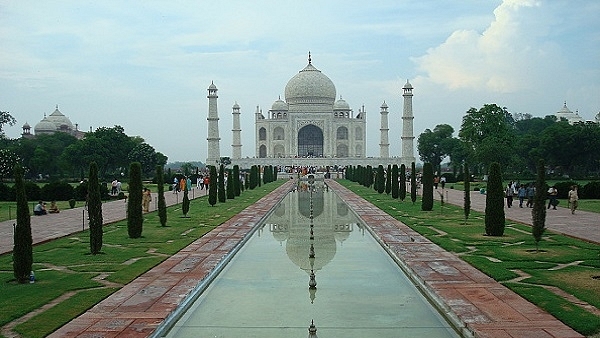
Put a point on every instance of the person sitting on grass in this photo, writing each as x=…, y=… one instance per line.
x=40, y=209
x=53, y=208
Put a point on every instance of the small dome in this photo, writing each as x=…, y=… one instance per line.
x=60, y=120
x=236, y=105
x=407, y=85
x=279, y=105
x=212, y=86
x=26, y=126
x=44, y=127
x=310, y=86
x=341, y=104
x=384, y=105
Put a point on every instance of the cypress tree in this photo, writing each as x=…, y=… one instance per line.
x=237, y=189
x=380, y=180
x=402, y=189
x=388, y=180
x=252, y=178
x=221, y=185
x=258, y=173
x=467, y=206
x=427, y=180
x=413, y=182
x=230, y=183
x=185, y=203
x=162, y=205
x=369, y=176
x=23, y=247
x=212, y=186
x=135, y=219
x=394, y=181
x=95, y=210
x=538, y=212
x=494, y=202
x=275, y=171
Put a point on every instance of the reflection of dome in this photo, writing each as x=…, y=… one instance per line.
x=298, y=245
x=310, y=86
x=45, y=126
x=60, y=120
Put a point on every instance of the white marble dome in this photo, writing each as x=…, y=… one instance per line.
x=279, y=105
x=45, y=126
x=310, y=86
x=60, y=120
x=341, y=104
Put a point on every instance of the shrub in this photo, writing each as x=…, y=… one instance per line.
x=427, y=198
x=6, y=193
x=23, y=243
x=494, y=203
x=80, y=191
x=32, y=191
x=135, y=219
x=590, y=190
x=57, y=191
x=563, y=188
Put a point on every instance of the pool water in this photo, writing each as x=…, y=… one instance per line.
x=264, y=290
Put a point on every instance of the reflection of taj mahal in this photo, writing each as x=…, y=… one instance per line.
x=332, y=223
x=311, y=127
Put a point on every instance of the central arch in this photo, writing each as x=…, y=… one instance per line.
x=310, y=141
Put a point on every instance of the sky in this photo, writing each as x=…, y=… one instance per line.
x=146, y=65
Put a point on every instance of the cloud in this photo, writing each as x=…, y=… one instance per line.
x=500, y=59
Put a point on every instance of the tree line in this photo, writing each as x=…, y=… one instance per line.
x=516, y=142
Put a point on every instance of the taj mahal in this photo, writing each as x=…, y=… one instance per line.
x=311, y=128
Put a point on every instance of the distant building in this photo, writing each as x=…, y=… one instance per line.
x=566, y=113
x=55, y=122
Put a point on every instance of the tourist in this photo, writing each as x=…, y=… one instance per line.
x=436, y=180
x=521, y=193
x=552, y=194
x=146, y=198
x=443, y=181
x=40, y=209
x=113, y=185
x=573, y=198
x=53, y=208
x=530, y=195
x=508, y=192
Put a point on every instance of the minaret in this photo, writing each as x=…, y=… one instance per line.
x=236, y=151
x=407, y=126
x=384, y=143
x=214, y=154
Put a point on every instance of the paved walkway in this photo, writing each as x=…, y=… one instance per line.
x=52, y=226
x=480, y=306
x=583, y=224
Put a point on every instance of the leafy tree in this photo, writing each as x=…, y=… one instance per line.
x=427, y=180
x=212, y=186
x=162, y=205
x=95, y=210
x=467, y=184
x=6, y=118
x=146, y=156
x=402, y=189
x=538, y=212
x=394, y=181
x=488, y=134
x=135, y=219
x=8, y=160
x=494, y=202
x=23, y=247
x=434, y=146
x=413, y=182
x=221, y=185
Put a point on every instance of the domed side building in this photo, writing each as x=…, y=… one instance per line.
x=310, y=122
x=55, y=122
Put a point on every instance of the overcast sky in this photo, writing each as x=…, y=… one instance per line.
x=146, y=65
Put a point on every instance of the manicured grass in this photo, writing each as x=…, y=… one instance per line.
x=65, y=265
x=502, y=257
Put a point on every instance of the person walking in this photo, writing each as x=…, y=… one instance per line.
x=146, y=198
x=522, y=193
x=552, y=193
x=530, y=195
x=573, y=199
x=508, y=192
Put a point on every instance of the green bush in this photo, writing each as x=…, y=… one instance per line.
x=427, y=180
x=564, y=187
x=72, y=203
x=32, y=191
x=6, y=193
x=494, y=203
x=57, y=191
x=80, y=191
x=590, y=190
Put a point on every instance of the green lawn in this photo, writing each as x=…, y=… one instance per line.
x=503, y=257
x=65, y=265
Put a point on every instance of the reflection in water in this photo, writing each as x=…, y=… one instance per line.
x=311, y=242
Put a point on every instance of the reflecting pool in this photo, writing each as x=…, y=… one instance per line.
x=264, y=290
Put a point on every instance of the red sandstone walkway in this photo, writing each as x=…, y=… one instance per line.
x=52, y=226
x=484, y=307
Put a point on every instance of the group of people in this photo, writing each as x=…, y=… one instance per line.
x=40, y=208
x=522, y=192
